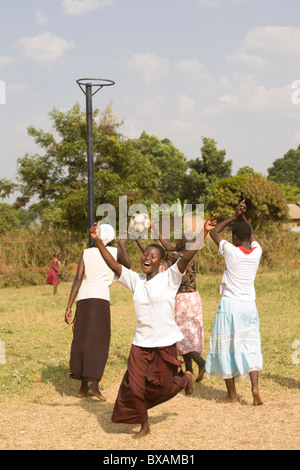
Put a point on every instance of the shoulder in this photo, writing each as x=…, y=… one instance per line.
x=256, y=245
x=225, y=247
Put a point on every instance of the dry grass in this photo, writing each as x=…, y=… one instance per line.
x=39, y=405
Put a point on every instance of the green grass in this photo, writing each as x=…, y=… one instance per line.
x=38, y=340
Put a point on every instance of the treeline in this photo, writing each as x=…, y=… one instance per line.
x=51, y=206
x=52, y=184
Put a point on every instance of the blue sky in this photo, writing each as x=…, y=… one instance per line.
x=182, y=69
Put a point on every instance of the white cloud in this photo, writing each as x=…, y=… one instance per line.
x=17, y=87
x=251, y=96
x=5, y=61
x=78, y=7
x=262, y=45
x=186, y=105
x=44, y=49
x=41, y=18
x=150, y=66
x=208, y=3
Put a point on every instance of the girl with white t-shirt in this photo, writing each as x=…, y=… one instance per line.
x=235, y=346
x=152, y=371
x=91, y=334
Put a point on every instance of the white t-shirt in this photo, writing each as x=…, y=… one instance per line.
x=97, y=275
x=240, y=272
x=154, y=306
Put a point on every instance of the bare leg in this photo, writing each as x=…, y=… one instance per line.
x=94, y=390
x=255, y=391
x=145, y=429
x=83, y=392
x=55, y=290
x=188, y=363
x=200, y=363
x=232, y=395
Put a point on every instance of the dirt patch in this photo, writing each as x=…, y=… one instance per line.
x=55, y=419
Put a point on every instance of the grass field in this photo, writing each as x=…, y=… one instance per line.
x=39, y=404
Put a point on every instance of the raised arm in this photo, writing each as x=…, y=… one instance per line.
x=215, y=233
x=106, y=255
x=74, y=290
x=165, y=243
x=209, y=225
x=123, y=257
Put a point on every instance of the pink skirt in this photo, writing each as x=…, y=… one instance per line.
x=188, y=316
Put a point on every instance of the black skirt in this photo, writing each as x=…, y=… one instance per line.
x=91, y=339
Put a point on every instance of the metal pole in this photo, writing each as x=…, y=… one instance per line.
x=99, y=83
x=90, y=157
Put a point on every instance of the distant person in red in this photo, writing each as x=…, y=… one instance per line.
x=52, y=277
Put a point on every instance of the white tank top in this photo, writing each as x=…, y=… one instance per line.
x=97, y=275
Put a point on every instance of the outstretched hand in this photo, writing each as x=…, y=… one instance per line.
x=210, y=223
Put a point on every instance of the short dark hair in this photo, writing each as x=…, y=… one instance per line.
x=243, y=231
x=159, y=248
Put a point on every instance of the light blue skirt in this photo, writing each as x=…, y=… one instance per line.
x=235, y=346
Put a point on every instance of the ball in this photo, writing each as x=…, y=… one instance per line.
x=139, y=222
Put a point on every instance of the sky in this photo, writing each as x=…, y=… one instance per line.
x=183, y=70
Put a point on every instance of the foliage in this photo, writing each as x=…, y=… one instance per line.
x=265, y=201
x=58, y=178
x=291, y=193
x=286, y=170
x=204, y=173
x=8, y=217
x=169, y=160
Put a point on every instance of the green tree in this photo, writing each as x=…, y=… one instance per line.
x=291, y=193
x=9, y=218
x=54, y=183
x=205, y=172
x=286, y=170
x=169, y=160
x=265, y=201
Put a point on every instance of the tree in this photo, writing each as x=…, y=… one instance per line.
x=265, y=201
x=205, y=172
x=9, y=219
x=286, y=170
x=169, y=160
x=54, y=184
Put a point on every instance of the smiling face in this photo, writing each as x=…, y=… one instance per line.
x=150, y=260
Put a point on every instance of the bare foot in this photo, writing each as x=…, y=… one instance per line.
x=144, y=431
x=84, y=390
x=257, y=400
x=228, y=399
x=97, y=394
x=189, y=389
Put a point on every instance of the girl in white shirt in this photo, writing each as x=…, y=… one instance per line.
x=235, y=348
x=91, y=334
x=152, y=372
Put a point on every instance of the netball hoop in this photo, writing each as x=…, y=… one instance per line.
x=90, y=86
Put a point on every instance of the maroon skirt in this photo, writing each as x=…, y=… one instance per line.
x=151, y=378
x=91, y=339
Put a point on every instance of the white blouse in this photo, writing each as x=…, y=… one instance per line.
x=154, y=303
x=97, y=275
